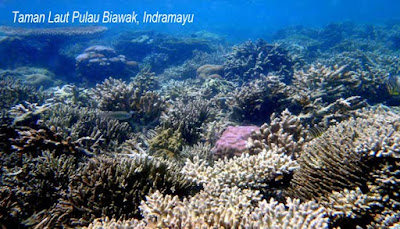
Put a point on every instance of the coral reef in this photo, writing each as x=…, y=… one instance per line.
x=301, y=132
x=34, y=186
x=246, y=171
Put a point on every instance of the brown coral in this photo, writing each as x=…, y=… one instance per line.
x=116, y=95
x=342, y=157
x=111, y=187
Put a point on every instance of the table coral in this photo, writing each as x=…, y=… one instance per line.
x=100, y=62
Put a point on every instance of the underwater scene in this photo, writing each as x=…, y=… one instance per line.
x=200, y=114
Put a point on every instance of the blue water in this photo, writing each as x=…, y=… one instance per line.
x=238, y=20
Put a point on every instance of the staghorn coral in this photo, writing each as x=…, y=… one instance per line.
x=257, y=100
x=34, y=186
x=13, y=92
x=322, y=114
x=146, y=80
x=369, y=68
x=327, y=83
x=27, y=113
x=189, y=118
x=341, y=79
x=391, y=221
x=174, y=90
x=112, y=187
x=200, y=150
x=116, y=95
x=251, y=60
x=68, y=94
x=217, y=88
x=28, y=135
x=91, y=128
x=115, y=224
x=285, y=134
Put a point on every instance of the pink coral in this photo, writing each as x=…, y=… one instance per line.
x=233, y=141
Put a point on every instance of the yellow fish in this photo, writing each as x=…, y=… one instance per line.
x=393, y=85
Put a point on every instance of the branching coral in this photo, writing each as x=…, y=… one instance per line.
x=284, y=134
x=351, y=204
x=257, y=100
x=111, y=187
x=224, y=208
x=250, y=171
x=322, y=114
x=13, y=92
x=116, y=95
x=188, y=117
x=68, y=94
x=344, y=155
x=251, y=60
x=35, y=185
x=91, y=128
x=330, y=82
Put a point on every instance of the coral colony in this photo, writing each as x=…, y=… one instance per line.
x=148, y=130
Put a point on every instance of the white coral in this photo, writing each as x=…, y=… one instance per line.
x=244, y=171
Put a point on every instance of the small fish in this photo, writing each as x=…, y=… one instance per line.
x=316, y=131
x=393, y=85
x=279, y=177
x=119, y=115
